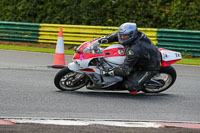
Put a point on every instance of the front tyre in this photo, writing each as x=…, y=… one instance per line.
x=67, y=80
x=166, y=78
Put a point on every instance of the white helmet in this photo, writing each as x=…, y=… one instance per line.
x=127, y=33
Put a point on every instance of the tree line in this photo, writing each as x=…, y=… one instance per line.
x=170, y=14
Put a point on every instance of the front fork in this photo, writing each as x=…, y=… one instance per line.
x=93, y=76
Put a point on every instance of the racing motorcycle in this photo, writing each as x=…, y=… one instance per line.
x=90, y=60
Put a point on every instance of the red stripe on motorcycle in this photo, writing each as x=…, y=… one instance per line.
x=161, y=49
x=87, y=70
x=167, y=63
x=83, y=46
x=86, y=56
x=113, y=52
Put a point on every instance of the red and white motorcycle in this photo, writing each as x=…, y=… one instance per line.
x=90, y=60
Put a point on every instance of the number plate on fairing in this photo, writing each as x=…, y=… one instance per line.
x=168, y=55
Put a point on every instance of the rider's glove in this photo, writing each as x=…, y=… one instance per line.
x=103, y=40
x=108, y=72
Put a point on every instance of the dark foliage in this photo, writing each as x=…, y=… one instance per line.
x=176, y=14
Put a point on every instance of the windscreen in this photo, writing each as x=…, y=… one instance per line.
x=89, y=47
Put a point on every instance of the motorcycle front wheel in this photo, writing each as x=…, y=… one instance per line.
x=67, y=80
x=165, y=78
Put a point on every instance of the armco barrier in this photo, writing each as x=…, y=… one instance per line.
x=72, y=34
x=48, y=33
x=185, y=41
x=77, y=34
x=14, y=31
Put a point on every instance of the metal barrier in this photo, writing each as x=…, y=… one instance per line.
x=72, y=34
x=77, y=34
x=48, y=33
x=15, y=31
x=185, y=41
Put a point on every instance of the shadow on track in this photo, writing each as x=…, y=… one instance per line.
x=120, y=95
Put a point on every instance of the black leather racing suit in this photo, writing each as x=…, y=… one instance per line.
x=142, y=61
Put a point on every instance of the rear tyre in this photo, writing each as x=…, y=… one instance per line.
x=67, y=80
x=166, y=78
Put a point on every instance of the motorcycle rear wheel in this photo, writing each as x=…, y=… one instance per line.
x=168, y=76
x=66, y=80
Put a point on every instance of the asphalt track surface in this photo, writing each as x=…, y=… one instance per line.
x=27, y=91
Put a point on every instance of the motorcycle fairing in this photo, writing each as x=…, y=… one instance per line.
x=169, y=57
x=73, y=66
x=100, y=82
x=114, y=54
x=86, y=58
x=83, y=46
x=94, y=74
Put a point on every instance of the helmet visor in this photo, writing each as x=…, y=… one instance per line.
x=123, y=37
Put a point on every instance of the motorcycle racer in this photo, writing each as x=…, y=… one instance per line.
x=142, y=60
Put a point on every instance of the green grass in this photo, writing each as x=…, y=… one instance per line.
x=186, y=60
x=33, y=49
x=189, y=61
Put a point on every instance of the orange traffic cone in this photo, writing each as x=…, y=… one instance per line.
x=59, y=58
